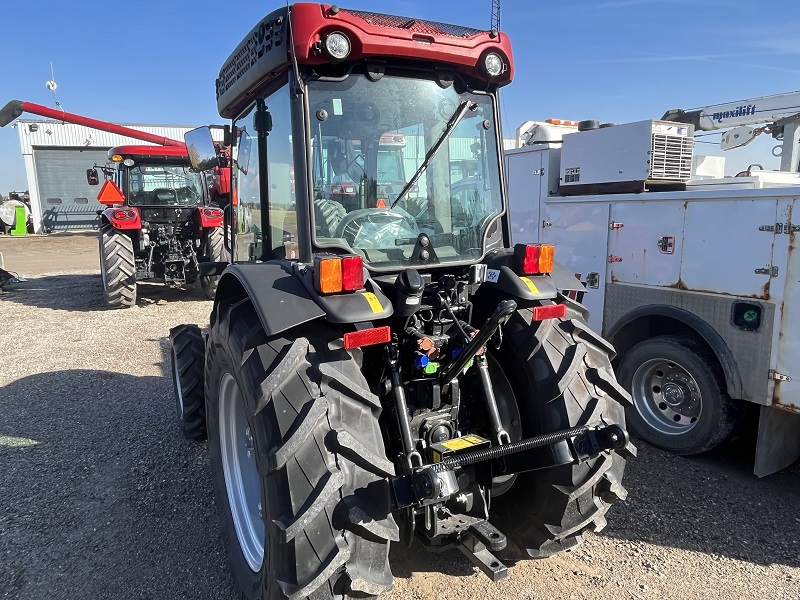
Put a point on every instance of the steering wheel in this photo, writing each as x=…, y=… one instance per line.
x=376, y=227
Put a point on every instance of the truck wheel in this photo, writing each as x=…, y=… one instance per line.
x=298, y=462
x=187, y=350
x=564, y=369
x=117, y=267
x=679, y=402
x=214, y=251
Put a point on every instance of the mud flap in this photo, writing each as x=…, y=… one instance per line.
x=778, y=443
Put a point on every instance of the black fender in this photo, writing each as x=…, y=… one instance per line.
x=730, y=368
x=502, y=278
x=284, y=297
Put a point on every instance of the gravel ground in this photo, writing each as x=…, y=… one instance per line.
x=100, y=496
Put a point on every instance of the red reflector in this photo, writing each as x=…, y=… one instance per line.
x=552, y=311
x=352, y=273
x=125, y=214
x=367, y=337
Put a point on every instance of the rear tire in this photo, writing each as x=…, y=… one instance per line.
x=214, y=250
x=187, y=351
x=117, y=267
x=679, y=400
x=565, y=369
x=317, y=469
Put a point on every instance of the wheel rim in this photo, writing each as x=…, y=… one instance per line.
x=666, y=396
x=242, y=480
x=178, y=386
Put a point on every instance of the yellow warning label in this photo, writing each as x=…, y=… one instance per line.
x=374, y=303
x=461, y=443
x=531, y=286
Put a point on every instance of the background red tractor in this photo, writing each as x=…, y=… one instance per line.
x=163, y=219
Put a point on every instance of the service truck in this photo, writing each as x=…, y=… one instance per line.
x=693, y=276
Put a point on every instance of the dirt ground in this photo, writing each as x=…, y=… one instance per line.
x=101, y=497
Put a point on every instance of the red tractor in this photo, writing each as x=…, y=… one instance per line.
x=375, y=375
x=163, y=220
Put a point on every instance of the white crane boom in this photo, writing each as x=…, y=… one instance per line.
x=782, y=111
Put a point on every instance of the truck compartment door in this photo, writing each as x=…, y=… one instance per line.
x=723, y=249
x=579, y=231
x=645, y=242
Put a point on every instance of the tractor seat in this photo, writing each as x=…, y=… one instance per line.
x=165, y=196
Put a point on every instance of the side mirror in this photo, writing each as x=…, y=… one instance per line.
x=92, y=178
x=201, y=149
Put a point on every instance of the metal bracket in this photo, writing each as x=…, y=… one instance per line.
x=477, y=552
x=547, y=223
x=772, y=271
x=779, y=376
x=615, y=225
x=593, y=280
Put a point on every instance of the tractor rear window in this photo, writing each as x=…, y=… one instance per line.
x=163, y=185
x=371, y=138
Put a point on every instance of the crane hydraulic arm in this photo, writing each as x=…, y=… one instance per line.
x=14, y=109
x=780, y=112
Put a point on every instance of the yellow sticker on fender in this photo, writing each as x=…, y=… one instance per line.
x=531, y=286
x=374, y=303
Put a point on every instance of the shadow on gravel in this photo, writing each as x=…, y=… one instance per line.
x=711, y=504
x=101, y=496
x=406, y=561
x=84, y=292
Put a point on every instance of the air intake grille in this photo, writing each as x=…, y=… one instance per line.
x=415, y=25
x=671, y=157
x=268, y=36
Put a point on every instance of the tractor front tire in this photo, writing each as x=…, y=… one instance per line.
x=298, y=462
x=117, y=267
x=214, y=251
x=563, y=372
x=187, y=351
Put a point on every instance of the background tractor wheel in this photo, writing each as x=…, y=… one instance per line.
x=214, y=251
x=117, y=267
x=564, y=369
x=298, y=462
x=679, y=402
x=188, y=354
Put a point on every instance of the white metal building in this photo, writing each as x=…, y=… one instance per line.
x=57, y=156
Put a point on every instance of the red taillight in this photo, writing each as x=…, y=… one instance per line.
x=536, y=258
x=124, y=214
x=551, y=311
x=367, y=337
x=212, y=213
x=352, y=273
x=343, y=189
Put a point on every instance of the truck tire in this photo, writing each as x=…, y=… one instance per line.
x=117, y=267
x=298, y=462
x=564, y=369
x=187, y=351
x=679, y=400
x=214, y=251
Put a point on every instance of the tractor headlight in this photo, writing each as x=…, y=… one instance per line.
x=337, y=47
x=493, y=64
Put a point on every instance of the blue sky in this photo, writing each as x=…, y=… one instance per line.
x=155, y=61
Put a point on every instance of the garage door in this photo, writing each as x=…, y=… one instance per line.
x=67, y=201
